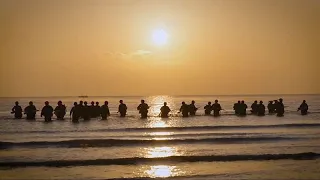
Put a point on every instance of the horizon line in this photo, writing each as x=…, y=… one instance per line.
x=55, y=96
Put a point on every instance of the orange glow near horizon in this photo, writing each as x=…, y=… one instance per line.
x=147, y=47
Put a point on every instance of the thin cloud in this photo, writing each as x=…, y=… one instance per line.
x=129, y=56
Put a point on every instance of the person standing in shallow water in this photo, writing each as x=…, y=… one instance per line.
x=17, y=111
x=280, y=108
x=75, y=112
x=184, y=109
x=30, y=111
x=208, y=109
x=86, y=111
x=122, y=109
x=60, y=111
x=304, y=108
x=236, y=107
x=105, y=111
x=164, y=110
x=143, y=109
x=192, y=108
x=261, y=109
x=216, y=107
x=97, y=110
x=92, y=110
x=47, y=112
x=254, y=107
x=271, y=107
x=80, y=107
x=243, y=109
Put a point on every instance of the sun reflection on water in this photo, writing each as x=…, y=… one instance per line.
x=156, y=103
x=161, y=171
x=163, y=151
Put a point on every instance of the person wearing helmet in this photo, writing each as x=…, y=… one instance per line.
x=47, y=112
x=17, y=111
x=30, y=111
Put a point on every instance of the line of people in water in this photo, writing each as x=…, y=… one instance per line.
x=86, y=112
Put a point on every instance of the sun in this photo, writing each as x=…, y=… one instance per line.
x=159, y=37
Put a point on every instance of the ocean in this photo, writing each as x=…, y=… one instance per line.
x=199, y=147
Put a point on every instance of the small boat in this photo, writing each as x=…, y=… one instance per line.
x=83, y=96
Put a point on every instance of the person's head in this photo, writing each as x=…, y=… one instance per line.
x=142, y=101
x=270, y=102
x=17, y=103
x=30, y=103
x=209, y=102
x=275, y=101
x=261, y=102
x=85, y=103
x=255, y=101
x=281, y=100
x=81, y=102
x=165, y=103
x=192, y=102
x=183, y=103
x=46, y=103
x=242, y=102
x=120, y=101
x=97, y=103
x=75, y=103
x=239, y=102
x=304, y=101
x=216, y=101
x=59, y=102
x=106, y=103
x=92, y=103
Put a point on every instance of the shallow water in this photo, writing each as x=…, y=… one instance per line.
x=200, y=147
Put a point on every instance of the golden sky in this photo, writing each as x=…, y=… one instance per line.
x=105, y=47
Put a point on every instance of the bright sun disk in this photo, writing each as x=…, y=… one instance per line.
x=159, y=37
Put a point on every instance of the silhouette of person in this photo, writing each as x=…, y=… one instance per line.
x=303, y=108
x=216, y=107
x=271, y=107
x=92, y=110
x=143, y=109
x=192, y=108
x=17, y=111
x=236, y=107
x=105, y=111
x=280, y=108
x=243, y=109
x=254, y=107
x=30, y=111
x=164, y=110
x=60, y=111
x=75, y=112
x=86, y=111
x=47, y=112
x=122, y=109
x=97, y=110
x=80, y=106
x=261, y=109
x=184, y=109
x=208, y=109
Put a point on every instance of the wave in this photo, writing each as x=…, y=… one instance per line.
x=166, y=129
x=137, y=160
x=136, y=142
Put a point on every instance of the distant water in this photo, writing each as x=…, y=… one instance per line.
x=200, y=147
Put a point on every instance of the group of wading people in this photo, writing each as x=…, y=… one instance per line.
x=84, y=111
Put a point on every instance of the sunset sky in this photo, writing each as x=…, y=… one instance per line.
x=151, y=47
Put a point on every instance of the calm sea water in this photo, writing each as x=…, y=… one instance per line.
x=200, y=147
